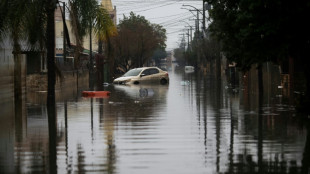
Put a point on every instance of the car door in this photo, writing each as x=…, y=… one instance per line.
x=145, y=76
x=154, y=75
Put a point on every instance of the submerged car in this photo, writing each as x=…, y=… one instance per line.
x=143, y=75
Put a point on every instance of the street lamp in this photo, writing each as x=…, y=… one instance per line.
x=192, y=7
x=205, y=7
x=198, y=11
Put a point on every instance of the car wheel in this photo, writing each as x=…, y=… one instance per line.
x=163, y=81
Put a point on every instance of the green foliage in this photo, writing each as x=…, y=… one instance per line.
x=36, y=23
x=87, y=16
x=160, y=35
x=3, y=15
x=179, y=55
x=103, y=24
x=83, y=14
x=24, y=20
x=253, y=32
x=136, y=41
x=191, y=57
x=159, y=53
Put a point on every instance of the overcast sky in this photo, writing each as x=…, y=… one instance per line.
x=168, y=13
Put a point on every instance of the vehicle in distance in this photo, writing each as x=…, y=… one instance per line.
x=143, y=75
x=189, y=69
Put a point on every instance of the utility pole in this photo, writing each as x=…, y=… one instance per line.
x=191, y=28
x=198, y=11
x=187, y=39
x=91, y=67
x=191, y=34
x=197, y=20
x=203, y=15
x=64, y=32
x=182, y=44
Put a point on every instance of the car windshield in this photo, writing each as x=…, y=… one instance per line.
x=133, y=72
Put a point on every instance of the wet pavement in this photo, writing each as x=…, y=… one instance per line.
x=194, y=125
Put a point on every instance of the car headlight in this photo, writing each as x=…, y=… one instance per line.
x=124, y=81
x=127, y=81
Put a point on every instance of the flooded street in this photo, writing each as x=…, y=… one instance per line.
x=194, y=125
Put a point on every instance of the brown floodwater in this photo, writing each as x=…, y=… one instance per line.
x=195, y=125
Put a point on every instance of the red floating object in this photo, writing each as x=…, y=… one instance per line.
x=96, y=94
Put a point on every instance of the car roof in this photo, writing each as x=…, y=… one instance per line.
x=148, y=67
x=144, y=68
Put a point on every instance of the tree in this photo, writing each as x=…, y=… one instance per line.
x=82, y=15
x=159, y=54
x=25, y=24
x=179, y=55
x=104, y=29
x=253, y=32
x=103, y=26
x=88, y=16
x=32, y=23
x=136, y=41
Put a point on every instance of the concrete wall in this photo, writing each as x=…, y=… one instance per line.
x=38, y=82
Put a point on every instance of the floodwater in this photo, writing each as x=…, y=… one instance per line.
x=194, y=125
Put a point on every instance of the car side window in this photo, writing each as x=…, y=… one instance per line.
x=150, y=71
x=154, y=71
x=146, y=72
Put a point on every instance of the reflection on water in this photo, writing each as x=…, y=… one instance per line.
x=200, y=126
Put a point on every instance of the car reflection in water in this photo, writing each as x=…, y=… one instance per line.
x=141, y=92
x=136, y=103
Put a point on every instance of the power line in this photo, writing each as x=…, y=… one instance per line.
x=135, y=5
x=169, y=16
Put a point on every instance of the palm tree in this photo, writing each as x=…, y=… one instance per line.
x=103, y=26
x=32, y=22
x=87, y=16
x=104, y=29
x=22, y=25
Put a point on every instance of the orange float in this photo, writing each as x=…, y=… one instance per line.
x=96, y=94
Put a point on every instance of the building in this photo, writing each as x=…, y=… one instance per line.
x=59, y=33
x=107, y=4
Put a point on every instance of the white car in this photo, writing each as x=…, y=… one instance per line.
x=143, y=75
x=189, y=69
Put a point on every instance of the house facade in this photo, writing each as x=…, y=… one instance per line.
x=107, y=4
x=32, y=64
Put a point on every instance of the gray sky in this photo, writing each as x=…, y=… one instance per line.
x=168, y=13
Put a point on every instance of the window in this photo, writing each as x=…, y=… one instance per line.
x=154, y=71
x=133, y=72
x=150, y=71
